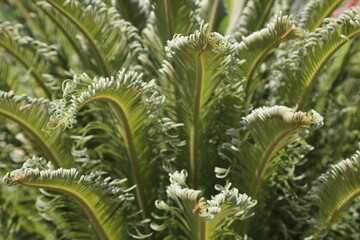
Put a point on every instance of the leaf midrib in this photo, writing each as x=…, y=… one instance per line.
x=196, y=116
x=213, y=15
x=169, y=20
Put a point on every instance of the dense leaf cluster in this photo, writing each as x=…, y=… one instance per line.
x=186, y=119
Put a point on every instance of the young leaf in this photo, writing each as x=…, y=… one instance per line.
x=196, y=68
x=254, y=48
x=312, y=54
x=103, y=201
x=271, y=129
x=121, y=42
x=33, y=114
x=133, y=104
x=37, y=57
x=201, y=219
x=253, y=18
x=333, y=192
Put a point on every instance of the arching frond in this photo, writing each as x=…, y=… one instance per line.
x=254, y=48
x=32, y=114
x=212, y=12
x=37, y=57
x=70, y=32
x=196, y=68
x=103, y=201
x=333, y=192
x=311, y=55
x=198, y=218
x=271, y=129
x=316, y=11
x=253, y=18
x=134, y=104
x=120, y=46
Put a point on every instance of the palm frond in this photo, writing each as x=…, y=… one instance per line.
x=271, y=129
x=316, y=11
x=121, y=42
x=104, y=201
x=195, y=71
x=69, y=31
x=254, y=48
x=33, y=114
x=333, y=192
x=37, y=57
x=312, y=54
x=134, y=104
x=253, y=17
x=199, y=218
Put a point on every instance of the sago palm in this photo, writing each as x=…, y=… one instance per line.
x=179, y=119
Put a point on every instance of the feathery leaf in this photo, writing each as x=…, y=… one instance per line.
x=253, y=17
x=33, y=114
x=37, y=57
x=103, y=201
x=254, y=48
x=316, y=11
x=120, y=46
x=333, y=192
x=271, y=129
x=311, y=55
x=133, y=103
x=199, y=218
x=193, y=75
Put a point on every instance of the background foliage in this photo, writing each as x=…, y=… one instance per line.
x=181, y=119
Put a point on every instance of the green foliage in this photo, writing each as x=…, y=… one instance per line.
x=209, y=90
x=333, y=192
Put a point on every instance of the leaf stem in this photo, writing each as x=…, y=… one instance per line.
x=196, y=117
x=213, y=14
